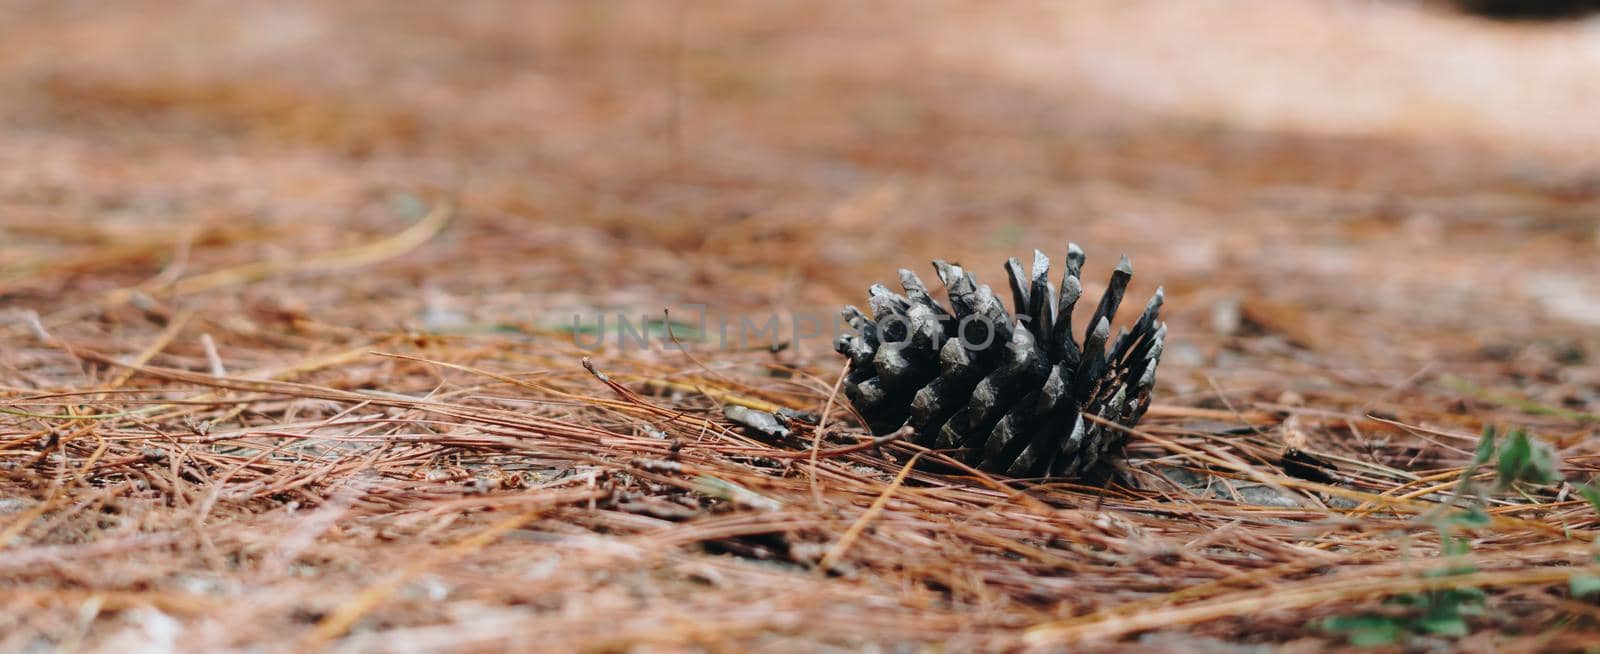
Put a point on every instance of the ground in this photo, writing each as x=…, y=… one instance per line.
x=288, y=290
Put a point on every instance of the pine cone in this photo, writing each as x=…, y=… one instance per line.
x=1010, y=392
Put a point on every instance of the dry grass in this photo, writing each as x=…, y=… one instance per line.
x=285, y=359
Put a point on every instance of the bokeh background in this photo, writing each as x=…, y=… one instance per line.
x=1371, y=160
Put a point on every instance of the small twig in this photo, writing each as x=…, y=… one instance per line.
x=213, y=359
x=816, y=435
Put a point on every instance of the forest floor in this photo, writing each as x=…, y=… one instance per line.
x=287, y=356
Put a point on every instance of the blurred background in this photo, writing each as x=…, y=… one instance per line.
x=1397, y=181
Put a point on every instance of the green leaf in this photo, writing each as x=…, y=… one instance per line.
x=1525, y=459
x=1443, y=625
x=1584, y=584
x=1375, y=637
x=1469, y=595
x=1485, y=447
x=1591, y=492
x=1546, y=464
x=1366, y=630
x=1405, y=599
x=1455, y=546
x=1513, y=457
x=1471, y=517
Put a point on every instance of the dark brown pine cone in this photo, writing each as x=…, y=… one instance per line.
x=1009, y=391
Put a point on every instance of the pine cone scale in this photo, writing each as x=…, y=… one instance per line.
x=1009, y=392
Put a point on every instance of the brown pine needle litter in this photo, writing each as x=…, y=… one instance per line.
x=309, y=326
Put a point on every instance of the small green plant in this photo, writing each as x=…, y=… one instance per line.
x=1519, y=460
x=1586, y=584
x=1523, y=460
x=1441, y=612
